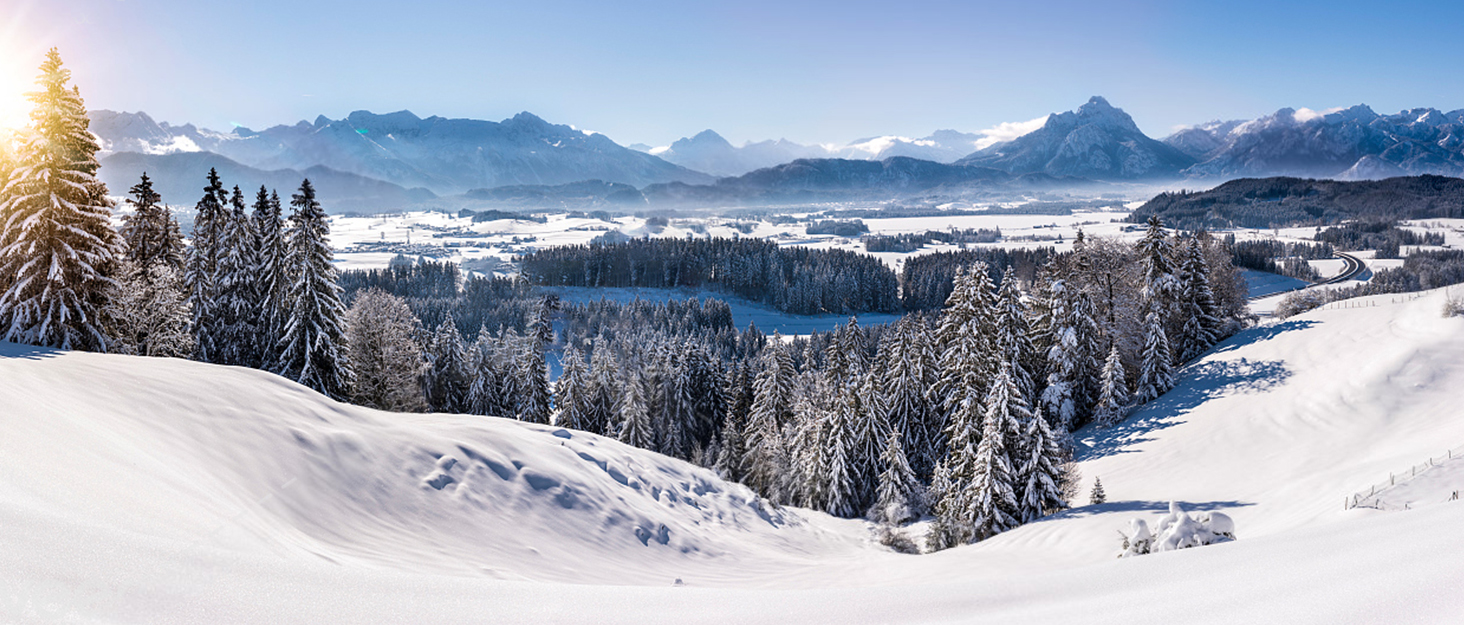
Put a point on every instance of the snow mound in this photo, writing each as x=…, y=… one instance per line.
x=247, y=460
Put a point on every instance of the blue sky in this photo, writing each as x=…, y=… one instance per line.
x=654, y=71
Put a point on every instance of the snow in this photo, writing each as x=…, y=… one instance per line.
x=155, y=490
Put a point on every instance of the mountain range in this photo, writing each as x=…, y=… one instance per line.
x=370, y=161
x=707, y=151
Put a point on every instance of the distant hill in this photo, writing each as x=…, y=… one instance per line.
x=1097, y=141
x=1284, y=202
x=180, y=178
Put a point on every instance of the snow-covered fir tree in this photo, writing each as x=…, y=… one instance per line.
x=604, y=389
x=1071, y=356
x=1156, y=369
x=1040, y=473
x=381, y=332
x=58, y=249
x=447, y=380
x=236, y=286
x=313, y=350
x=1113, y=402
x=772, y=408
x=1197, y=309
x=900, y=497
x=572, y=392
x=531, y=376
x=870, y=431
x=992, y=505
x=635, y=420
x=204, y=251
x=907, y=365
x=965, y=341
x=1013, y=335
x=839, y=483
x=272, y=274
x=151, y=233
x=947, y=529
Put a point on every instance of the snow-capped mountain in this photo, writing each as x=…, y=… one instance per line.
x=707, y=151
x=1096, y=141
x=444, y=155
x=1352, y=143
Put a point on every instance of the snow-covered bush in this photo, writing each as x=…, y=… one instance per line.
x=1454, y=307
x=1177, y=530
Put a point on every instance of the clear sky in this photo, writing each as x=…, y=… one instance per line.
x=813, y=72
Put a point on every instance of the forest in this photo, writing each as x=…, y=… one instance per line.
x=1286, y=202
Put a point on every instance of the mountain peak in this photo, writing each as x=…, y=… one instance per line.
x=1097, y=102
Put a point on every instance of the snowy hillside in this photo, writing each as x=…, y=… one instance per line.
x=169, y=491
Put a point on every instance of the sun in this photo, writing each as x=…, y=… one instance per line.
x=14, y=107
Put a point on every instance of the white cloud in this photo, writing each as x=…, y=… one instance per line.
x=1007, y=131
x=1304, y=114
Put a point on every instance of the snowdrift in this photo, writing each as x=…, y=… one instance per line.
x=150, y=490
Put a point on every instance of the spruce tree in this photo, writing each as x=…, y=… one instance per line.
x=991, y=506
x=447, y=381
x=313, y=350
x=58, y=249
x=381, y=332
x=572, y=391
x=604, y=389
x=948, y=529
x=1040, y=475
x=1156, y=371
x=1113, y=403
x=532, y=379
x=635, y=421
x=202, y=269
x=1013, y=340
x=840, y=474
x=771, y=410
x=1097, y=496
x=150, y=231
x=899, y=498
x=236, y=286
x=272, y=277
x=1200, y=314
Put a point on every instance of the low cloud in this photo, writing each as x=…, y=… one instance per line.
x=1007, y=131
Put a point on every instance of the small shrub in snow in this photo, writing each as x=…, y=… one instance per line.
x=1177, y=530
x=1097, y=496
x=891, y=536
x=1454, y=307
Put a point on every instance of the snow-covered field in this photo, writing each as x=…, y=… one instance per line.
x=150, y=490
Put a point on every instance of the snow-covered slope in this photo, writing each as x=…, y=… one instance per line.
x=167, y=491
x=708, y=152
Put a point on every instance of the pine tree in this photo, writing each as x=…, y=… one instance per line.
x=899, y=497
x=1013, y=340
x=965, y=341
x=1097, y=496
x=447, y=381
x=532, y=379
x=1113, y=402
x=1200, y=314
x=381, y=333
x=635, y=422
x=1040, y=476
x=604, y=387
x=202, y=270
x=840, y=489
x=992, y=500
x=236, y=286
x=907, y=370
x=150, y=231
x=1071, y=358
x=272, y=275
x=571, y=392
x=771, y=410
x=58, y=249
x=313, y=349
x=948, y=529
x=869, y=432
x=1156, y=373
